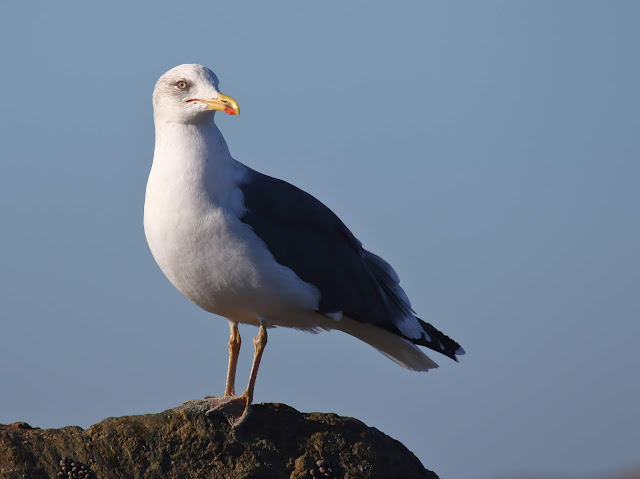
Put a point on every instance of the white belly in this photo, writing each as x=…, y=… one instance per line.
x=219, y=263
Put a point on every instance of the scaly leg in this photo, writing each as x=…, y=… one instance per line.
x=237, y=408
x=234, y=350
x=259, y=343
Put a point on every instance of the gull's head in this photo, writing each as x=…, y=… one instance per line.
x=189, y=94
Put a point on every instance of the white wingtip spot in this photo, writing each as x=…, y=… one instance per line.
x=460, y=351
x=409, y=327
x=337, y=316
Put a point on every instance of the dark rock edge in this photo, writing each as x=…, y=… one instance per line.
x=275, y=442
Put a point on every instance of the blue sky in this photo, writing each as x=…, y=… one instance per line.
x=488, y=150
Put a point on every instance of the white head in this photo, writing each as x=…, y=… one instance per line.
x=189, y=94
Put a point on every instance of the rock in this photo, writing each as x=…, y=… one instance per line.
x=275, y=442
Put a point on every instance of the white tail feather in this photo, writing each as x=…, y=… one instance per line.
x=398, y=349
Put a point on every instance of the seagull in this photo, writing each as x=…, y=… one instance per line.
x=257, y=250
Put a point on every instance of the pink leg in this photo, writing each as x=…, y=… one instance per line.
x=236, y=408
x=259, y=343
x=234, y=351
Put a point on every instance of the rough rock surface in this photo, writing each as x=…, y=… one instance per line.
x=275, y=442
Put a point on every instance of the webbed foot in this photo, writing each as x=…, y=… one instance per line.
x=234, y=408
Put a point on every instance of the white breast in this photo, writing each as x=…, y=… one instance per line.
x=191, y=221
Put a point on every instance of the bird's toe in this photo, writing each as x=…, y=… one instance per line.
x=235, y=409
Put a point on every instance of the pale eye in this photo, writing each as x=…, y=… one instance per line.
x=181, y=84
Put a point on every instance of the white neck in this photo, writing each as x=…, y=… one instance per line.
x=190, y=144
x=194, y=160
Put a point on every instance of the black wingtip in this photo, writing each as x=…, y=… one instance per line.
x=439, y=342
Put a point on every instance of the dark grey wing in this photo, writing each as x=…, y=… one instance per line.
x=307, y=237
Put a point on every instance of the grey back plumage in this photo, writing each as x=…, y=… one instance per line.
x=307, y=237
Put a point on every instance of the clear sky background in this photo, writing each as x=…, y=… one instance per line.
x=488, y=150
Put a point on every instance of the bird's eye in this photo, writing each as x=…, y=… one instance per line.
x=181, y=84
